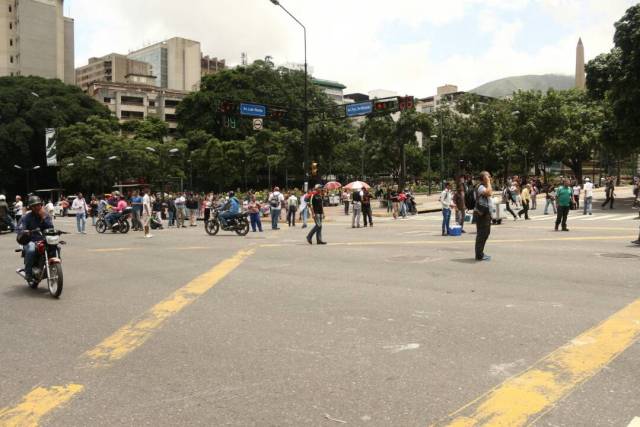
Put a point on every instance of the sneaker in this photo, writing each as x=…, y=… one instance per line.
x=565, y=229
x=636, y=242
x=309, y=240
x=321, y=243
x=148, y=236
x=485, y=258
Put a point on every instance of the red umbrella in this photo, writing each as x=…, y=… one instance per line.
x=357, y=185
x=332, y=185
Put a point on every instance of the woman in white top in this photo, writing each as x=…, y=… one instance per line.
x=576, y=194
x=81, y=208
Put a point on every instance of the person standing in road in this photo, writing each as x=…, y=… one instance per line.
x=482, y=215
x=609, y=193
x=93, y=205
x=146, y=213
x=4, y=213
x=588, y=196
x=550, y=198
x=395, y=203
x=136, y=207
x=446, y=199
x=181, y=209
x=356, y=202
x=345, y=201
x=81, y=208
x=304, y=209
x=366, y=207
x=292, y=209
x=275, y=202
x=564, y=196
x=17, y=210
x=525, y=197
x=254, y=214
x=576, y=195
x=317, y=211
x=507, y=199
x=534, y=195
x=458, y=201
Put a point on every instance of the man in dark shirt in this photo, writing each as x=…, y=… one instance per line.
x=317, y=212
x=36, y=219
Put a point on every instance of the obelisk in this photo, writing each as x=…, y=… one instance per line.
x=580, y=76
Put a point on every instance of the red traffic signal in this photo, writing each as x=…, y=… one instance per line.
x=385, y=106
x=406, y=103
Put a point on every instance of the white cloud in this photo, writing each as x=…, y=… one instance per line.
x=344, y=36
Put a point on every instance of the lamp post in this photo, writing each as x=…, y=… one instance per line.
x=305, y=165
x=433, y=137
x=28, y=172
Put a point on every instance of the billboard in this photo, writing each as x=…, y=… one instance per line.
x=51, y=147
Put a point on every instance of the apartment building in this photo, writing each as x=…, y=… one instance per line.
x=114, y=68
x=36, y=39
x=210, y=65
x=130, y=101
x=176, y=63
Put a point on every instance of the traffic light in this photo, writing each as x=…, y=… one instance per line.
x=406, y=103
x=314, y=168
x=385, y=106
x=276, y=113
x=227, y=107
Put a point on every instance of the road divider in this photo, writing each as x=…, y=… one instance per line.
x=37, y=403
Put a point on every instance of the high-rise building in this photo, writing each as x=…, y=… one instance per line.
x=114, y=68
x=210, y=65
x=176, y=62
x=36, y=39
x=580, y=75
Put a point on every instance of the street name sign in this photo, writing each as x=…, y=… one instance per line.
x=359, y=109
x=254, y=110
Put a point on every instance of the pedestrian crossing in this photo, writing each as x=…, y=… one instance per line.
x=550, y=217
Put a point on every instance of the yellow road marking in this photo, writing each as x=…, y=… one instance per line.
x=450, y=241
x=37, y=403
x=526, y=397
x=111, y=250
x=135, y=333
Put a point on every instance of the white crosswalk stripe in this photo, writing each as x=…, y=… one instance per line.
x=635, y=422
x=624, y=217
x=597, y=217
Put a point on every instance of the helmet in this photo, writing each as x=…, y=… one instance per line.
x=34, y=200
x=116, y=194
x=231, y=193
x=23, y=238
x=318, y=186
x=2, y=198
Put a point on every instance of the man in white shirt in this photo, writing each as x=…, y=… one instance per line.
x=17, y=209
x=292, y=208
x=275, y=202
x=588, y=196
x=446, y=199
x=304, y=210
x=146, y=213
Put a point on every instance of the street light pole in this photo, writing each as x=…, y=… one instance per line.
x=305, y=164
x=441, y=150
x=28, y=172
x=433, y=137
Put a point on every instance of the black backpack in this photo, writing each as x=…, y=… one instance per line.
x=469, y=198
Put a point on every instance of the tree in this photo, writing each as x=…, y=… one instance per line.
x=28, y=105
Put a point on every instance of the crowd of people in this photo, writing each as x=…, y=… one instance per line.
x=149, y=210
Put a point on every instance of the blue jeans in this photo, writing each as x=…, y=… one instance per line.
x=171, y=218
x=403, y=209
x=305, y=215
x=588, y=204
x=112, y=218
x=29, y=258
x=317, y=228
x=255, y=221
x=81, y=222
x=549, y=203
x=446, y=217
x=275, y=216
x=224, y=216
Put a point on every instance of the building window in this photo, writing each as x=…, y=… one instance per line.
x=171, y=118
x=11, y=59
x=170, y=103
x=107, y=100
x=152, y=103
x=10, y=26
x=10, y=42
x=10, y=9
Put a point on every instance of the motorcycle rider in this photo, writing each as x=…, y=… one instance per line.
x=230, y=208
x=114, y=216
x=35, y=218
x=4, y=213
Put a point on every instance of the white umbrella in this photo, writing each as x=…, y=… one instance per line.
x=357, y=185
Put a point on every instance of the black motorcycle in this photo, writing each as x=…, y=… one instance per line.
x=238, y=223
x=5, y=227
x=121, y=224
x=48, y=263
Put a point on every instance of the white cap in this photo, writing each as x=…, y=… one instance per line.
x=587, y=179
x=2, y=197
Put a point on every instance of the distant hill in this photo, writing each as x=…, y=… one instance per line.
x=505, y=87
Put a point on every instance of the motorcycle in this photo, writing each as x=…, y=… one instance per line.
x=238, y=223
x=5, y=227
x=48, y=263
x=121, y=224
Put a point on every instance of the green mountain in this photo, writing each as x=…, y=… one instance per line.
x=506, y=87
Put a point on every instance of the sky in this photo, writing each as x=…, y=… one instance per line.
x=406, y=46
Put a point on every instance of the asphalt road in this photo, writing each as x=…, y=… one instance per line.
x=390, y=325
